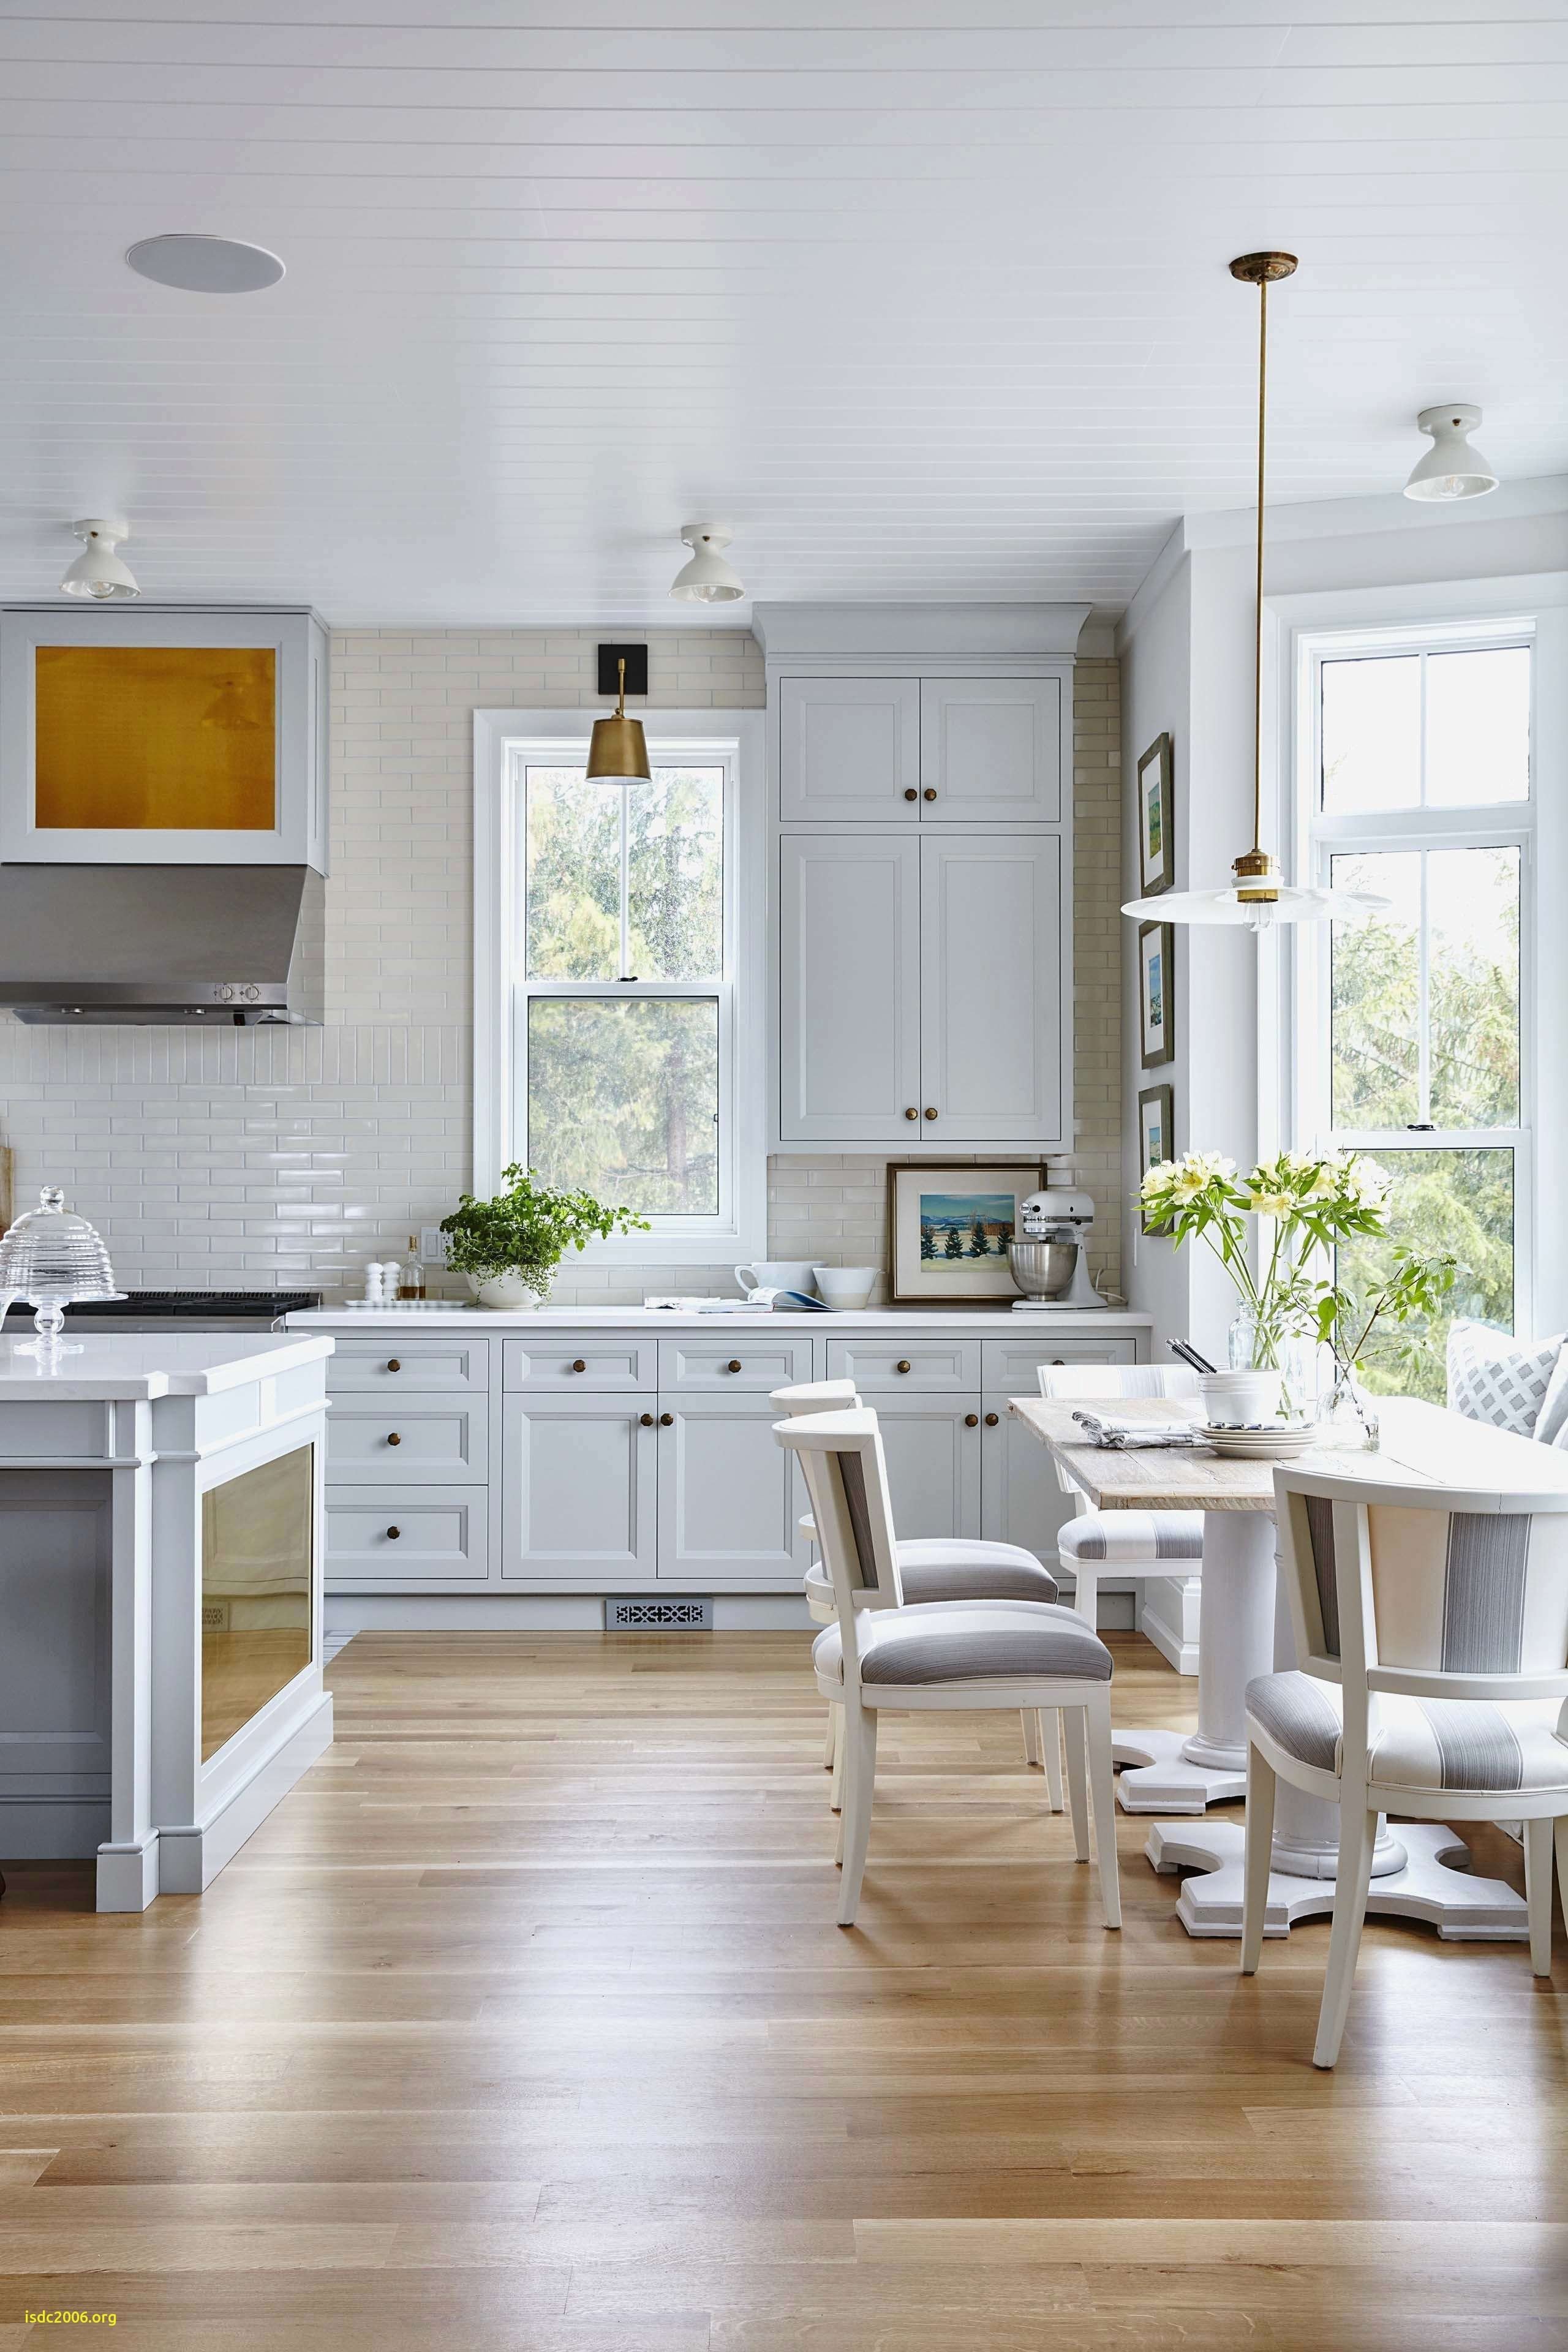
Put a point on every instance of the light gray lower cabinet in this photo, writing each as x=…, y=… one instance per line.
x=931, y=1445
x=579, y=1490
x=1022, y=1501
x=730, y=1497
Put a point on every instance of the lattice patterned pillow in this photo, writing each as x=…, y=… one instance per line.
x=1495, y=1377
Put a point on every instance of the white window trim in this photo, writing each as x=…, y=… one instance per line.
x=561, y=737
x=1489, y=614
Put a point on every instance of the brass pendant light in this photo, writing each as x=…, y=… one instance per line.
x=617, y=748
x=1259, y=894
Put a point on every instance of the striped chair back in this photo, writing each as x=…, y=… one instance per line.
x=846, y=1476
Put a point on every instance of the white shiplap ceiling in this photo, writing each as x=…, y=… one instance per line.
x=928, y=299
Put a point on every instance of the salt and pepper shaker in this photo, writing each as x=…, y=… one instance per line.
x=381, y=1282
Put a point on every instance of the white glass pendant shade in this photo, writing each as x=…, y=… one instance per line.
x=97, y=571
x=1288, y=906
x=1450, y=469
x=706, y=578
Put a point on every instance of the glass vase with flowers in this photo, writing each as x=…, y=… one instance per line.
x=1272, y=1231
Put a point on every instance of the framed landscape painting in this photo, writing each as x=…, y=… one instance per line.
x=1156, y=1136
x=1157, y=992
x=949, y=1228
x=1157, y=827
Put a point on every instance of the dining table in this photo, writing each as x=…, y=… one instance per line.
x=1420, y=1869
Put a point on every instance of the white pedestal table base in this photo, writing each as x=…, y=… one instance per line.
x=1429, y=1888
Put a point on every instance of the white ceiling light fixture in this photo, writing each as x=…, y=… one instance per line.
x=97, y=571
x=1259, y=894
x=706, y=578
x=204, y=265
x=1451, y=468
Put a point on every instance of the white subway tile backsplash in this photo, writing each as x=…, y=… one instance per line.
x=275, y=1156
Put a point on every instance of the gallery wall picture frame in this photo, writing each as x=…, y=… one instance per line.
x=1157, y=992
x=949, y=1227
x=1156, y=1137
x=1156, y=818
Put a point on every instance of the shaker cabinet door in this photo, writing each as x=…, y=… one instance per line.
x=991, y=751
x=931, y=1445
x=850, y=958
x=578, y=1504
x=730, y=1497
x=991, y=989
x=850, y=750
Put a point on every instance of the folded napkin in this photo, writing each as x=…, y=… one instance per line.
x=1103, y=1429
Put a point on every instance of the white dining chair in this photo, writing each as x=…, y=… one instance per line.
x=1431, y=1625
x=935, y=1567
x=1137, y=1543
x=882, y=1652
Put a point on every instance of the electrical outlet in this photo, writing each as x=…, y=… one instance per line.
x=432, y=1245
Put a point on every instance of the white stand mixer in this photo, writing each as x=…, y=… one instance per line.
x=1050, y=1265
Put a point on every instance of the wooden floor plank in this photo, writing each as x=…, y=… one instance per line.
x=524, y=2022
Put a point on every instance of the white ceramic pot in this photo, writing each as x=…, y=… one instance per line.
x=508, y=1291
x=1239, y=1400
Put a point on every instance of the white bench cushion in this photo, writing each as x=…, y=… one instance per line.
x=981, y=1641
x=1420, y=1743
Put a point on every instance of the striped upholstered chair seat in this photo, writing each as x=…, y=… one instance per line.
x=972, y=1642
x=1129, y=1539
x=1419, y=1743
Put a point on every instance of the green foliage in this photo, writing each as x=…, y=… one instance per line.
x=1413, y=1286
x=527, y=1229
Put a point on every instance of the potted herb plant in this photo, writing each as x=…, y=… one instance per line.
x=510, y=1246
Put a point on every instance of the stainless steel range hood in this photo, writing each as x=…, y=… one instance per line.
x=209, y=946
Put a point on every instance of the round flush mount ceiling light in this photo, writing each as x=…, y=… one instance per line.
x=1451, y=468
x=204, y=265
x=706, y=578
x=97, y=571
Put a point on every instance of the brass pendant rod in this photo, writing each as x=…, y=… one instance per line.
x=1257, y=642
x=621, y=663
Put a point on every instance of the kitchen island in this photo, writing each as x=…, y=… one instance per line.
x=161, y=1548
x=491, y=1469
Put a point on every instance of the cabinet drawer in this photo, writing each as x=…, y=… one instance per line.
x=587, y=1360
x=392, y=1365
x=430, y=1535
x=711, y=1365
x=408, y=1441
x=879, y=1363
x=1010, y=1364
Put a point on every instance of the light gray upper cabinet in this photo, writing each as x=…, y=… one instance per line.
x=849, y=1032
x=920, y=991
x=991, y=987
x=991, y=751
x=849, y=747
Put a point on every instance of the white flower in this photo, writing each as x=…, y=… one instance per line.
x=1270, y=1204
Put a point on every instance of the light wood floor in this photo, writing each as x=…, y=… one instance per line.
x=523, y=2025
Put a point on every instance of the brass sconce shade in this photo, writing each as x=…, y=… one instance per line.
x=617, y=749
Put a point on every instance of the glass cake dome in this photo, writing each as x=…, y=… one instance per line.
x=53, y=1258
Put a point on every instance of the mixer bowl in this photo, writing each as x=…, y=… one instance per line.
x=1042, y=1269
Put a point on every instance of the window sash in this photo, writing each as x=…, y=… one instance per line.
x=1373, y=645
x=721, y=1224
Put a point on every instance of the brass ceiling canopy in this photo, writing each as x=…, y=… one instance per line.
x=617, y=748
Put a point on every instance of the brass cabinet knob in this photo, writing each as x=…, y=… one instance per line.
x=393, y=1438
x=648, y=1420
x=972, y=1421
x=1058, y=1359
x=992, y=1419
x=910, y=793
x=667, y=1421
x=930, y=1110
x=930, y=792
x=911, y=1112
x=578, y=1365
x=902, y=1365
x=733, y=1365
x=393, y=1534
x=395, y=1363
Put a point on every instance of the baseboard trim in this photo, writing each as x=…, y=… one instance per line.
x=562, y=1612
x=1183, y=1655
x=189, y=1858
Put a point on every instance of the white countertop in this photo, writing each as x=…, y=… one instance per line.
x=995, y=1322
x=114, y=1365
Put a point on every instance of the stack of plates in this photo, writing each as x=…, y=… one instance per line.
x=1261, y=1445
